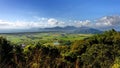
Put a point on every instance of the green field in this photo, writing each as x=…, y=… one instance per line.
x=60, y=50
x=47, y=38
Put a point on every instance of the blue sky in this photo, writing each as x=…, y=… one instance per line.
x=68, y=9
x=57, y=10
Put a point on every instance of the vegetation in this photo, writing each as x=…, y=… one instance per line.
x=46, y=38
x=98, y=51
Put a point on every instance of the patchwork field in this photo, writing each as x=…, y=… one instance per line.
x=47, y=38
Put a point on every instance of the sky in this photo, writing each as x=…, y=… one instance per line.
x=23, y=14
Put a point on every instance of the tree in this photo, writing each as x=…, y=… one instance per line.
x=6, y=54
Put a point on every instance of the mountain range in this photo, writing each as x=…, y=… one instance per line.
x=72, y=29
x=67, y=29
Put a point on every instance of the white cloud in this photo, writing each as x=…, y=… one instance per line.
x=102, y=23
x=52, y=21
x=39, y=23
x=108, y=21
x=86, y=23
x=17, y=25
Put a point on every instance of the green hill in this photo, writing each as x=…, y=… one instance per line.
x=98, y=51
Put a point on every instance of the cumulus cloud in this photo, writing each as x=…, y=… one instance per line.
x=106, y=22
x=5, y=24
x=83, y=23
x=52, y=21
x=39, y=23
x=18, y=25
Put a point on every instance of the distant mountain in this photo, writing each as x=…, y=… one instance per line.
x=87, y=30
x=61, y=28
x=67, y=29
x=72, y=29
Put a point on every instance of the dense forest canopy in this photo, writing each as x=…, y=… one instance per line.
x=98, y=51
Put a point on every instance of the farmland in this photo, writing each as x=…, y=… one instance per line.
x=47, y=38
x=73, y=50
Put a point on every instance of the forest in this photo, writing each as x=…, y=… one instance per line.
x=96, y=51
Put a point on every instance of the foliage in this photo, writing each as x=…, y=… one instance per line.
x=98, y=51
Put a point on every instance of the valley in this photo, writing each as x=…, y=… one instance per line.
x=47, y=38
x=58, y=49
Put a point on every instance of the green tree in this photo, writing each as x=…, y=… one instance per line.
x=6, y=54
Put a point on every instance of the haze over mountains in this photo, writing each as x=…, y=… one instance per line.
x=72, y=29
x=67, y=29
x=51, y=24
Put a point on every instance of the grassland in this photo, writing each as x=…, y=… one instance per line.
x=47, y=38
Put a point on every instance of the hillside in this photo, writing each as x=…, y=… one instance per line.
x=98, y=51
